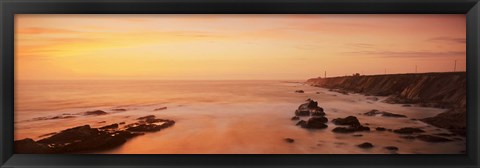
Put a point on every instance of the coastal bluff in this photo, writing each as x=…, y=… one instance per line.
x=441, y=90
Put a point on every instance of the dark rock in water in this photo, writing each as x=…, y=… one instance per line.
x=29, y=146
x=317, y=92
x=350, y=129
x=408, y=137
x=318, y=111
x=343, y=130
x=150, y=127
x=96, y=112
x=161, y=108
x=119, y=109
x=295, y=118
x=372, y=112
x=383, y=113
x=391, y=148
x=309, y=107
x=312, y=104
x=299, y=91
x=70, y=135
x=85, y=138
x=302, y=113
x=407, y=105
x=101, y=122
x=431, y=138
x=74, y=139
x=408, y=130
x=352, y=123
x=357, y=135
x=121, y=123
x=350, y=120
x=365, y=145
x=302, y=123
x=53, y=118
x=289, y=140
x=113, y=126
x=380, y=129
x=387, y=114
x=155, y=120
x=453, y=120
x=372, y=98
x=317, y=123
x=146, y=117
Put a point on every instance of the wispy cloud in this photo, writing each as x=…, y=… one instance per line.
x=42, y=30
x=448, y=39
x=410, y=54
x=360, y=45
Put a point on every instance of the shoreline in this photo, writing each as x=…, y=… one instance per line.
x=262, y=127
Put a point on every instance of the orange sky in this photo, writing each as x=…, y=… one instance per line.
x=204, y=47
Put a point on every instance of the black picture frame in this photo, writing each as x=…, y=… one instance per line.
x=9, y=8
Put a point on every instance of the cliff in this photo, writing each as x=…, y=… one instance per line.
x=441, y=90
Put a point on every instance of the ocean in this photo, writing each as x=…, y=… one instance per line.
x=218, y=117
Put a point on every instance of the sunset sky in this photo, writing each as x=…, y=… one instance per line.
x=224, y=47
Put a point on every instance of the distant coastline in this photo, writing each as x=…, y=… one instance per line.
x=437, y=89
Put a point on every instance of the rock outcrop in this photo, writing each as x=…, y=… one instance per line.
x=352, y=123
x=442, y=90
x=309, y=108
x=86, y=138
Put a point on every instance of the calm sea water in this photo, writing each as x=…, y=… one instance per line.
x=217, y=116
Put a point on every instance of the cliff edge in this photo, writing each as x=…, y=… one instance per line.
x=441, y=90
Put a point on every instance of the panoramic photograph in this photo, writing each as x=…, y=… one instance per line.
x=240, y=84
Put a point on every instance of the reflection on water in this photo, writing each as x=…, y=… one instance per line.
x=218, y=116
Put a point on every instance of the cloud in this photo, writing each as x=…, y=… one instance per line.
x=360, y=45
x=448, y=39
x=41, y=30
x=410, y=54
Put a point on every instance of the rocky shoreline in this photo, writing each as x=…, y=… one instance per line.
x=350, y=125
x=85, y=138
x=440, y=90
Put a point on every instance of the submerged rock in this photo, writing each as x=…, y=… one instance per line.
x=161, y=108
x=146, y=117
x=95, y=112
x=380, y=129
x=53, y=118
x=113, y=126
x=295, y=118
x=119, y=109
x=352, y=123
x=408, y=130
x=365, y=145
x=432, y=138
x=350, y=129
x=383, y=113
x=299, y=91
x=391, y=148
x=289, y=140
x=317, y=123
